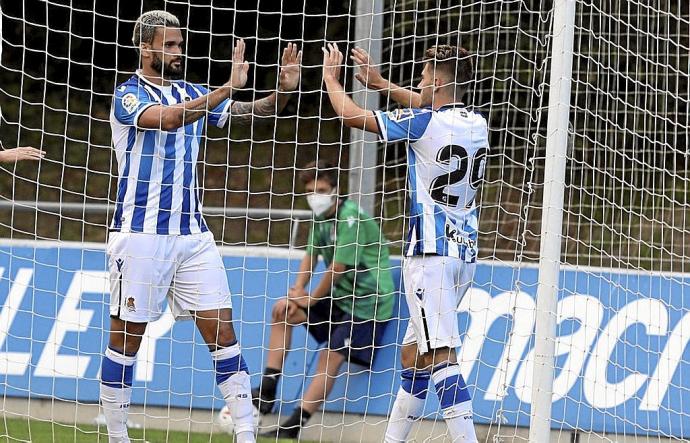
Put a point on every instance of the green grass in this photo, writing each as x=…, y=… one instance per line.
x=37, y=431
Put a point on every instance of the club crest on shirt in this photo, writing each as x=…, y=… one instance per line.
x=130, y=304
x=399, y=115
x=130, y=103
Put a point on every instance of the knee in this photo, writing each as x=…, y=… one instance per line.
x=280, y=311
x=126, y=338
x=226, y=335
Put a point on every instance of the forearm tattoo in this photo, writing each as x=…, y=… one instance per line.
x=243, y=112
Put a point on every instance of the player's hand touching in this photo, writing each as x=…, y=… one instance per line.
x=290, y=68
x=367, y=75
x=21, y=153
x=240, y=67
x=332, y=62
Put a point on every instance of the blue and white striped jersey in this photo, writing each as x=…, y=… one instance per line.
x=158, y=190
x=446, y=157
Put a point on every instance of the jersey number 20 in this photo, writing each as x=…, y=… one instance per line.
x=444, y=156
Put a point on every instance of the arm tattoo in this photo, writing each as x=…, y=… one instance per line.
x=243, y=112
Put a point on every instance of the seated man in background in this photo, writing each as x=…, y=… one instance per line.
x=347, y=310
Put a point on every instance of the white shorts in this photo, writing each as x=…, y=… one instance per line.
x=145, y=269
x=434, y=286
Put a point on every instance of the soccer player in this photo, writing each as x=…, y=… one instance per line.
x=347, y=310
x=447, y=147
x=21, y=153
x=159, y=245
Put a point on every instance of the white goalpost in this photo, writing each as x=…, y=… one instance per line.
x=576, y=325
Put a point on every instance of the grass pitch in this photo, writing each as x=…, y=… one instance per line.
x=38, y=431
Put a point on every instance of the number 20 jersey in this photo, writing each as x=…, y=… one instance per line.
x=446, y=157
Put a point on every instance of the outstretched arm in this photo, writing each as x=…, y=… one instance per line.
x=371, y=78
x=353, y=116
x=169, y=118
x=242, y=112
x=21, y=153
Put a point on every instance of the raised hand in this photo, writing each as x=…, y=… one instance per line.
x=21, y=153
x=368, y=75
x=332, y=62
x=240, y=67
x=290, y=68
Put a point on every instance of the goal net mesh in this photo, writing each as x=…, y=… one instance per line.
x=622, y=333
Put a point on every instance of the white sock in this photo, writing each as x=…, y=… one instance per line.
x=406, y=410
x=456, y=405
x=458, y=418
x=237, y=391
x=115, y=402
x=116, y=392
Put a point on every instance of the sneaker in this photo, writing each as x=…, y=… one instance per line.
x=263, y=402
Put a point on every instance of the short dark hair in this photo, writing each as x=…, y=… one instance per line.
x=456, y=61
x=319, y=170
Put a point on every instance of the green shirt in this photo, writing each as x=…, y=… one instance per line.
x=352, y=238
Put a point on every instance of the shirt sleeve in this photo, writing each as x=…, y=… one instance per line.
x=219, y=115
x=129, y=103
x=348, y=246
x=403, y=124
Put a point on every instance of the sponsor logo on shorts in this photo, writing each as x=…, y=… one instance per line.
x=130, y=304
x=419, y=293
x=119, y=262
x=456, y=236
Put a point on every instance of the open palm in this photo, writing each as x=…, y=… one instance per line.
x=240, y=67
x=290, y=67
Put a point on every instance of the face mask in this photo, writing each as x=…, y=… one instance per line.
x=320, y=203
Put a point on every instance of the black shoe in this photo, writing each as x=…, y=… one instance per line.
x=263, y=402
x=281, y=432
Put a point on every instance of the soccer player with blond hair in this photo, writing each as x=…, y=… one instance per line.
x=159, y=244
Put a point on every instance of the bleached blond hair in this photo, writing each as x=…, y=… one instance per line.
x=145, y=28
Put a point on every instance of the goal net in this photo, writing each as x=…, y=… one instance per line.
x=621, y=342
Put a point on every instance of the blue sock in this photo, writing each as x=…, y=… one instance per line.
x=232, y=377
x=115, y=391
x=450, y=385
x=415, y=382
x=456, y=403
x=228, y=361
x=117, y=370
